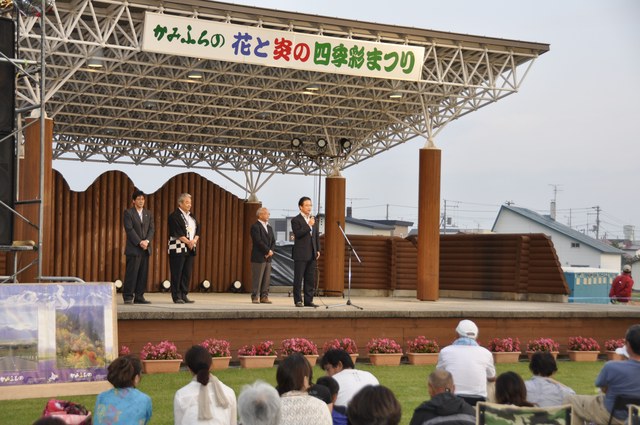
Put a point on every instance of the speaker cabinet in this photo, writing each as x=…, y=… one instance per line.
x=7, y=76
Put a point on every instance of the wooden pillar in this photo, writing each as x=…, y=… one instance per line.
x=428, y=283
x=250, y=217
x=29, y=190
x=334, y=243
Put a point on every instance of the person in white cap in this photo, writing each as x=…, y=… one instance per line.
x=470, y=364
x=621, y=286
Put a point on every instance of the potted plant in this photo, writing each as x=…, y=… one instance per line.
x=421, y=351
x=611, y=345
x=124, y=350
x=302, y=346
x=505, y=350
x=162, y=357
x=257, y=356
x=384, y=352
x=543, y=344
x=583, y=349
x=346, y=344
x=220, y=351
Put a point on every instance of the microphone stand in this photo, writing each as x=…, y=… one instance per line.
x=351, y=251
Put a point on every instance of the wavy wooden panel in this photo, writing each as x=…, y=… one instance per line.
x=89, y=239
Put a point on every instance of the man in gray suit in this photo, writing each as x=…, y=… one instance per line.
x=138, y=225
x=263, y=243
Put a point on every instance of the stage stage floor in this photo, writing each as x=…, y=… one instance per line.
x=236, y=306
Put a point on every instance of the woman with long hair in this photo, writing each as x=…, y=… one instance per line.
x=205, y=400
x=510, y=389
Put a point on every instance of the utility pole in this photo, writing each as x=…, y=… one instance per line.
x=552, y=209
x=597, y=208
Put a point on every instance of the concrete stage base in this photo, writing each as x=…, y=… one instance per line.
x=233, y=317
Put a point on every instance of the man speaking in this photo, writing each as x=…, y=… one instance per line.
x=306, y=251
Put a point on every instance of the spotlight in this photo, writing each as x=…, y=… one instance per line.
x=312, y=87
x=205, y=285
x=236, y=287
x=118, y=284
x=296, y=143
x=97, y=60
x=165, y=286
x=345, y=144
x=395, y=95
x=321, y=143
x=194, y=75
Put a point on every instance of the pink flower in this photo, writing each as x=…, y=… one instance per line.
x=383, y=346
x=543, y=344
x=421, y=344
x=298, y=345
x=264, y=348
x=504, y=345
x=217, y=347
x=612, y=344
x=124, y=351
x=164, y=350
x=346, y=344
x=579, y=343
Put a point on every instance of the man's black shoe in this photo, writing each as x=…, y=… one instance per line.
x=141, y=301
x=178, y=301
x=312, y=305
x=298, y=304
x=128, y=301
x=187, y=300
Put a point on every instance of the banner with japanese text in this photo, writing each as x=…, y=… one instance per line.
x=56, y=333
x=285, y=49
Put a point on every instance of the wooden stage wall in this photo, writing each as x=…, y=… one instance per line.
x=89, y=238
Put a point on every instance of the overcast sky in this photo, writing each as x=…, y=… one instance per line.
x=574, y=122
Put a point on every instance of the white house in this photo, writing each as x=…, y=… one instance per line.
x=574, y=249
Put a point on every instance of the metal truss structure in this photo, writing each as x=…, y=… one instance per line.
x=140, y=108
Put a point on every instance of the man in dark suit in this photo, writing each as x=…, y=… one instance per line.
x=306, y=251
x=138, y=225
x=184, y=234
x=263, y=243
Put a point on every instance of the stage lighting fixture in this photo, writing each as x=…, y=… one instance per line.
x=296, y=143
x=205, y=285
x=118, y=284
x=395, y=95
x=165, y=286
x=97, y=60
x=345, y=144
x=194, y=74
x=321, y=143
x=236, y=287
x=312, y=87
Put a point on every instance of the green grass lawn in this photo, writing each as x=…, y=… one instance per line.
x=407, y=382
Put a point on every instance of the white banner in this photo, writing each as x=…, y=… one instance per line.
x=284, y=49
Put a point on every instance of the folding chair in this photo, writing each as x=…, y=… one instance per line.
x=622, y=402
x=634, y=415
x=492, y=413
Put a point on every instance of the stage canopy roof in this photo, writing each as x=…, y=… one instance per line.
x=140, y=107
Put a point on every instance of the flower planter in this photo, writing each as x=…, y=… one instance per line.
x=506, y=357
x=256, y=362
x=422, y=358
x=385, y=359
x=220, y=363
x=553, y=353
x=583, y=356
x=354, y=357
x=612, y=355
x=312, y=358
x=161, y=366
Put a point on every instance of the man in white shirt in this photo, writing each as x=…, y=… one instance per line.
x=470, y=364
x=338, y=364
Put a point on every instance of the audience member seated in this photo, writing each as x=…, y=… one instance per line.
x=542, y=389
x=470, y=364
x=123, y=404
x=615, y=378
x=444, y=408
x=204, y=400
x=510, y=389
x=259, y=404
x=374, y=405
x=338, y=365
x=294, y=376
x=338, y=413
x=49, y=420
